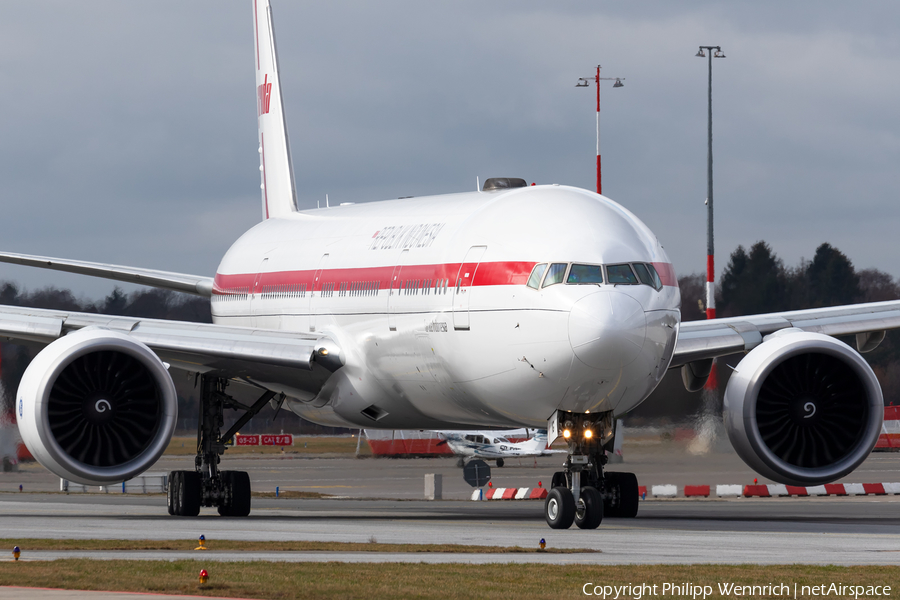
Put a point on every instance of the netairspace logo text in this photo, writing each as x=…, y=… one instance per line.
x=733, y=590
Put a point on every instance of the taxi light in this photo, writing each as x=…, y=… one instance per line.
x=16, y=552
x=202, y=542
x=588, y=434
x=204, y=576
x=567, y=434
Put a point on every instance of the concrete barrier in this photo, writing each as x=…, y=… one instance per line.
x=434, y=485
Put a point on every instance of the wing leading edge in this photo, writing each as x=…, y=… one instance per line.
x=177, y=282
x=703, y=340
x=267, y=357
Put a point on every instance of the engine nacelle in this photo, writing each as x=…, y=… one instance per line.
x=803, y=408
x=96, y=407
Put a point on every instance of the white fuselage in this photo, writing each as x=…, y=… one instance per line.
x=427, y=299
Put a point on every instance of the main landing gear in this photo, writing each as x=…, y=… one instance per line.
x=582, y=493
x=206, y=485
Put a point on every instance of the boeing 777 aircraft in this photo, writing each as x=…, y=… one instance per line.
x=544, y=306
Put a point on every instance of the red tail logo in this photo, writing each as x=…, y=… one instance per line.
x=264, y=94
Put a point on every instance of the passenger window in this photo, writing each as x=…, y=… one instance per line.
x=585, y=274
x=621, y=274
x=555, y=274
x=535, y=280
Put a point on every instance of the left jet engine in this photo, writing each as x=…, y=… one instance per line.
x=96, y=407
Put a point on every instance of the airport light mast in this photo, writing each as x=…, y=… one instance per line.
x=712, y=382
x=710, y=248
x=583, y=82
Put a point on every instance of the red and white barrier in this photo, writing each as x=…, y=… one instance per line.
x=538, y=493
x=772, y=490
x=829, y=489
x=890, y=431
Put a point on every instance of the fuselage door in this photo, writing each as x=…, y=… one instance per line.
x=395, y=290
x=462, y=288
x=319, y=293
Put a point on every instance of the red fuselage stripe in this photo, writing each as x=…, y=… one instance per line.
x=471, y=274
x=666, y=273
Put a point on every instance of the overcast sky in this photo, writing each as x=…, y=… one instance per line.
x=128, y=130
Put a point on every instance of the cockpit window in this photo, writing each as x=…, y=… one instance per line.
x=585, y=274
x=535, y=280
x=657, y=282
x=621, y=274
x=555, y=274
x=647, y=274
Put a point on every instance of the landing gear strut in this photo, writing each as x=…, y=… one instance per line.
x=582, y=493
x=206, y=485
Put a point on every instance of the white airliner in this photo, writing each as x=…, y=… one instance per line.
x=543, y=306
x=492, y=445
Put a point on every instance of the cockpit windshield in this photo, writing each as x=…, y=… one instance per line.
x=636, y=273
x=585, y=274
x=555, y=274
x=534, y=280
x=621, y=274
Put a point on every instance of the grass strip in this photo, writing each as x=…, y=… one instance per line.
x=397, y=581
x=256, y=546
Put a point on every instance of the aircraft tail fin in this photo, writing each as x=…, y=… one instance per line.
x=279, y=195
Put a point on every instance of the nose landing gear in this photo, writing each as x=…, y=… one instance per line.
x=582, y=493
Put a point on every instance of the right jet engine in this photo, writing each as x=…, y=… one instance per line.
x=803, y=408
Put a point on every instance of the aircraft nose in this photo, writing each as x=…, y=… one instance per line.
x=607, y=329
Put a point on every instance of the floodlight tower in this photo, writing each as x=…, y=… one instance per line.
x=710, y=247
x=583, y=82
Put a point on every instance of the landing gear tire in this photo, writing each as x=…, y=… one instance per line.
x=499, y=462
x=186, y=493
x=559, y=508
x=589, y=509
x=170, y=493
x=624, y=487
x=237, y=489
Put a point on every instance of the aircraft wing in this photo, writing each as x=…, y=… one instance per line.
x=701, y=340
x=300, y=361
x=178, y=282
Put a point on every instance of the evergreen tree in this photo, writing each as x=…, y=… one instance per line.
x=753, y=283
x=115, y=303
x=832, y=278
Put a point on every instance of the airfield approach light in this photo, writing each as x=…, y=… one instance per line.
x=584, y=82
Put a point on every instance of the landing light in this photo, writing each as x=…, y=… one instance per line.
x=588, y=434
x=567, y=434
